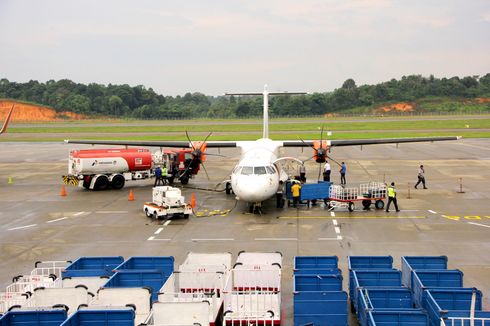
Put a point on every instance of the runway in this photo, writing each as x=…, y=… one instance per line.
x=38, y=224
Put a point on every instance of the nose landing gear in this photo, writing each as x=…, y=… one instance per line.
x=255, y=208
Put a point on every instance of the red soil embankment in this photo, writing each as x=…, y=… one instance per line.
x=31, y=112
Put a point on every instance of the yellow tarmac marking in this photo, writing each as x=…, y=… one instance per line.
x=356, y=217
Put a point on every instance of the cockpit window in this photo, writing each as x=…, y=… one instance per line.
x=237, y=170
x=247, y=170
x=259, y=170
x=270, y=170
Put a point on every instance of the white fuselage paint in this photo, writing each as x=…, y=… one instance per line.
x=253, y=187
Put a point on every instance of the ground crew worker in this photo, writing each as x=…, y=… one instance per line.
x=302, y=173
x=158, y=176
x=164, y=174
x=343, y=170
x=326, y=172
x=295, y=190
x=421, y=177
x=392, y=197
x=279, y=195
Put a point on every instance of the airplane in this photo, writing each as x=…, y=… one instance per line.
x=257, y=175
x=6, y=123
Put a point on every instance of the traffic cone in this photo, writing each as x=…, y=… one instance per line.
x=11, y=181
x=193, y=200
x=131, y=196
x=63, y=191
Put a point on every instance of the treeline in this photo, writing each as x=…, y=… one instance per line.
x=142, y=103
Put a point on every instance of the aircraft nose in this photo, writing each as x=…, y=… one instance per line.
x=254, y=188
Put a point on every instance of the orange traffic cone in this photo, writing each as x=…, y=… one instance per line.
x=63, y=191
x=193, y=200
x=131, y=196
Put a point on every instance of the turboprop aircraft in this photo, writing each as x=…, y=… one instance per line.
x=257, y=174
x=6, y=123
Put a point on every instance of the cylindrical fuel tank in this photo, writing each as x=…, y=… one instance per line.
x=109, y=161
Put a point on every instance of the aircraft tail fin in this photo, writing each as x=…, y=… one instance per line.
x=5, y=124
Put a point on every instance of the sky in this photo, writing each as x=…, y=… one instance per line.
x=215, y=47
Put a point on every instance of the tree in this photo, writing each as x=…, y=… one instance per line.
x=349, y=84
x=115, y=105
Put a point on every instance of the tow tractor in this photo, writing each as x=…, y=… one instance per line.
x=167, y=201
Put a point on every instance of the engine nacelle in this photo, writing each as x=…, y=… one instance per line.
x=321, y=150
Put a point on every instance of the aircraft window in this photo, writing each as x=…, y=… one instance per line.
x=259, y=170
x=270, y=170
x=247, y=170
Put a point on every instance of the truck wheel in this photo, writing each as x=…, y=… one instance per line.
x=171, y=180
x=155, y=215
x=379, y=204
x=118, y=181
x=101, y=183
x=148, y=214
x=186, y=215
x=351, y=206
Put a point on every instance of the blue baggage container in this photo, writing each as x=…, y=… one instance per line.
x=112, y=317
x=410, y=263
x=397, y=318
x=391, y=299
x=23, y=317
x=137, y=279
x=441, y=303
x=310, y=191
x=382, y=278
x=317, y=282
x=152, y=263
x=92, y=266
x=429, y=279
x=315, y=262
x=370, y=262
x=320, y=308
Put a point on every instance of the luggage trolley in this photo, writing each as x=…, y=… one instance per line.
x=366, y=193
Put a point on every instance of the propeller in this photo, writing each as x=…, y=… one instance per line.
x=197, y=154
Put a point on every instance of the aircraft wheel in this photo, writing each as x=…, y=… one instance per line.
x=351, y=206
x=228, y=188
x=379, y=204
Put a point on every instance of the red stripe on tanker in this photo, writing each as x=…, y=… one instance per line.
x=92, y=161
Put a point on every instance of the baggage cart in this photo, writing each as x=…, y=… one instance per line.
x=180, y=314
x=318, y=282
x=92, y=283
x=320, y=308
x=442, y=303
x=397, y=318
x=310, y=193
x=33, y=317
x=202, y=261
x=366, y=194
x=252, y=293
x=46, y=268
x=411, y=263
x=196, y=287
x=153, y=280
x=380, y=278
x=70, y=298
x=163, y=264
x=107, y=316
x=429, y=279
x=316, y=265
x=92, y=266
x=139, y=298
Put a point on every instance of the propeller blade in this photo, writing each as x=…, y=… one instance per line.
x=190, y=141
x=205, y=171
x=321, y=138
x=330, y=158
x=319, y=171
x=211, y=154
x=307, y=144
x=205, y=139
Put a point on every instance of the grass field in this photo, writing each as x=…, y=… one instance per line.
x=248, y=129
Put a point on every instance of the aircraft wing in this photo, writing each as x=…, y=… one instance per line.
x=354, y=142
x=155, y=143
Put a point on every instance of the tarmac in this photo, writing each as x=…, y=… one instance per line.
x=451, y=217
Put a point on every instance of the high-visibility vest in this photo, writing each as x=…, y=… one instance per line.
x=164, y=172
x=391, y=192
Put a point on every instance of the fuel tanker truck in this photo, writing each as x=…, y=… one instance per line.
x=100, y=169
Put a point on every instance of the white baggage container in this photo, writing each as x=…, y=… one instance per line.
x=252, y=292
x=70, y=297
x=186, y=286
x=180, y=314
x=93, y=283
x=202, y=261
